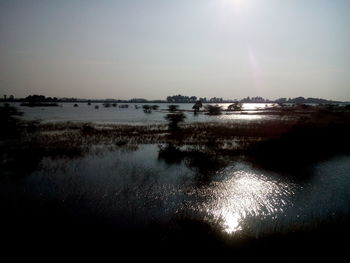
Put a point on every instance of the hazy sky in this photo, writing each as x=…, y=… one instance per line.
x=154, y=48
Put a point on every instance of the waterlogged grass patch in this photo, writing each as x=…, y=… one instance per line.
x=278, y=143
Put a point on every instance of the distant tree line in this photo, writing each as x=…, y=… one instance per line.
x=40, y=98
x=171, y=99
x=297, y=100
x=181, y=99
x=192, y=99
x=302, y=100
x=255, y=100
x=9, y=98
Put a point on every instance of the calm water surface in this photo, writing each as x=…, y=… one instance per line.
x=131, y=115
x=134, y=187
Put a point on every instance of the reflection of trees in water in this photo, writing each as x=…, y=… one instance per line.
x=170, y=154
x=203, y=161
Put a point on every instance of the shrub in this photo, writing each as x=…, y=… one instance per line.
x=197, y=106
x=235, y=107
x=213, y=109
x=147, y=109
x=173, y=108
x=174, y=119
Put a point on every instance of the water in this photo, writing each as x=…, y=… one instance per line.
x=131, y=115
x=133, y=188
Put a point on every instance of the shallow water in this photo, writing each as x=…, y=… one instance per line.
x=131, y=115
x=134, y=188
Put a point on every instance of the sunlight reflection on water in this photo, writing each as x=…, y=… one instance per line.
x=245, y=194
x=247, y=117
x=238, y=198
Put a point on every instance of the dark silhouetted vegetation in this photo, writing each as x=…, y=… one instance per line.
x=213, y=109
x=39, y=101
x=40, y=98
x=147, y=109
x=173, y=108
x=9, y=121
x=174, y=119
x=181, y=99
x=196, y=107
x=303, y=145
x=39, y=104
x=235, y=107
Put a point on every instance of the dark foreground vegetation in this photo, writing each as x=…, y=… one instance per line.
x=289, y=146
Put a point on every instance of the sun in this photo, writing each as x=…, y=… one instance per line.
x=234, y=3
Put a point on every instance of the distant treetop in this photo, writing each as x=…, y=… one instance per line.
x=174, y=99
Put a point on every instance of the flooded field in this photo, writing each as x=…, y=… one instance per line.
x=135, y=187
x=229, y=185
x=131, y=115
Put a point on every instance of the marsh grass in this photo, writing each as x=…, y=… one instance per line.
x=282, y=145
x=303, y=145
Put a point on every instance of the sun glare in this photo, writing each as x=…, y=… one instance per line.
x=234, y=8
x=234, y=3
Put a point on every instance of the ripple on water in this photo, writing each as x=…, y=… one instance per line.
x=238, y=198
x=244, y=194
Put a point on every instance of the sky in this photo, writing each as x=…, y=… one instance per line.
x=155, y=48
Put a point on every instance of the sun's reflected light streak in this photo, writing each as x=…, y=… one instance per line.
x=247, y=117
x=231, y=222
x=246, y=195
